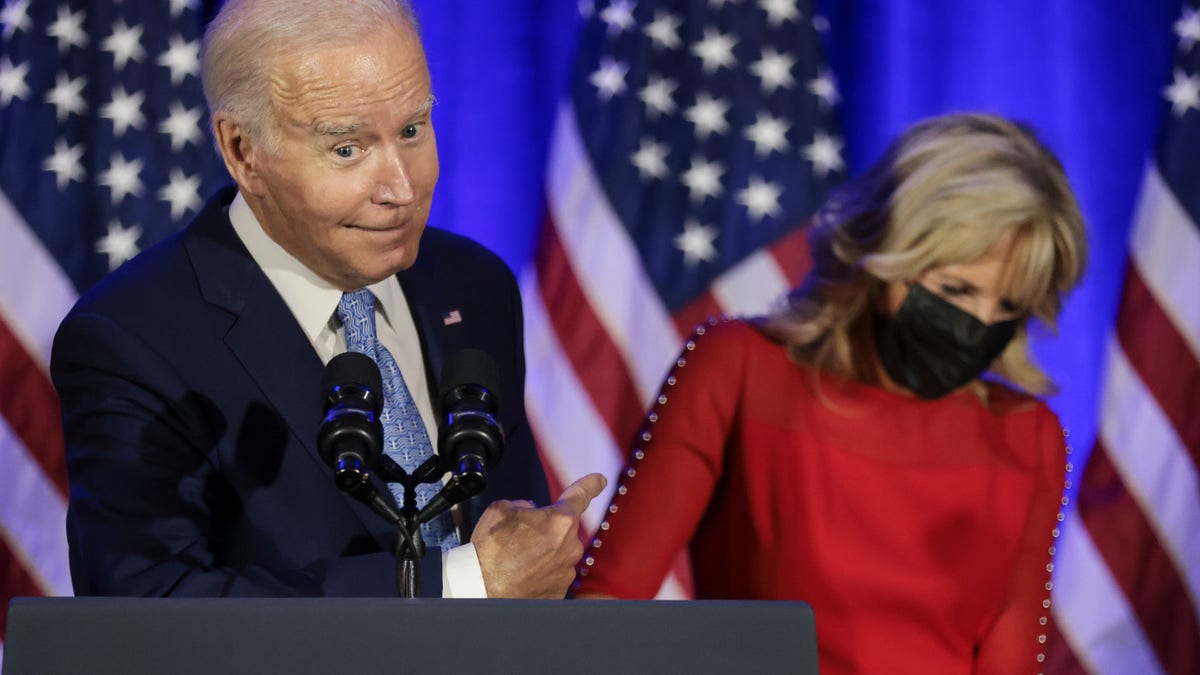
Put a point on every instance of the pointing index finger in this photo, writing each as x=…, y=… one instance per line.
x=578, y=495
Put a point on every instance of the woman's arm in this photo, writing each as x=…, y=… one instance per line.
x=675, y=463
x=1018, y=636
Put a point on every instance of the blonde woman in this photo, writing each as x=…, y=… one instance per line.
x=877, y=447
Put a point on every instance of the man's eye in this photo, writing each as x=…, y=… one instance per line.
x=345, y=151
x=409, y=131
x=950, y=289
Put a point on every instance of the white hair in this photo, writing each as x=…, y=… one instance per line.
x=242, y=42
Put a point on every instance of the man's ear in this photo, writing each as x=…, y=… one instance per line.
x=241, y=153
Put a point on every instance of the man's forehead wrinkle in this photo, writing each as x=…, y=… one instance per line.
x=328, y=95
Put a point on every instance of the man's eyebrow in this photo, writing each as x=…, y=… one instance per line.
x=331, y=129
x=425, y=107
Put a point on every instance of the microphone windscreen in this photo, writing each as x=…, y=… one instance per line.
x=352, y=368
x=470, y=366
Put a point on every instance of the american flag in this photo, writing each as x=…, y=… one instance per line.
x=1127, y=582
x=695, y=141
x=103, y=150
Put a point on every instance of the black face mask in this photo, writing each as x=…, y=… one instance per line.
x=931, y=347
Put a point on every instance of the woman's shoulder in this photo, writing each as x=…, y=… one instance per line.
x=1004, y=399
x=1032, y=428
x=740, y=332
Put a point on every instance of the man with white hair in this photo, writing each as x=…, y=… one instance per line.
x=189, y=378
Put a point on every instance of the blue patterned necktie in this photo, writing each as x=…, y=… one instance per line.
x=405, y=439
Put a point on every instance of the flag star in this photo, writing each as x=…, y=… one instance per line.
x=820, y=23
x=760, y=198
x=718, y=4
x=609, y=79
x=122, y=178
x=618, y=16
x=657, y=96
x=15, y=17
x=708, y=114
x=67, y=96
x=715, y=50
x=182, y=125
x=696, y=242
x=68, y=29
x=66, y=163
x=182, y=192
x=774, y=69
x=125, y=43
x=586, y=8
x=663, y=31
x=703, y=179
x=825, y=152
x=1188, y=28
x=1183, y=93
x=824, y=85
x=779, y=11
x=120, y=244
x=651, y=159
x=178, y=6
x=183, y=58
x=125, y=110
x=769, y=134
x=12, y=81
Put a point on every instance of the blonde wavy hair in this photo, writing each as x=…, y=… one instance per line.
x=945, y=192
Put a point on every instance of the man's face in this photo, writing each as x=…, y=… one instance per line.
x=347, y=189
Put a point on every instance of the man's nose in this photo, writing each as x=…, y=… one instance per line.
x=393, y=181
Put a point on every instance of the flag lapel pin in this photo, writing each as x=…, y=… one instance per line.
x=452, y=317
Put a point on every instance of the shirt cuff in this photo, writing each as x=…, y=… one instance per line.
x=462, y=576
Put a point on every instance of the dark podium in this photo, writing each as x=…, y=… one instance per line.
x=349, y=635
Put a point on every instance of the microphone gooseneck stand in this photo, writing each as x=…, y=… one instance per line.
x=410, y=545
x=350, y=439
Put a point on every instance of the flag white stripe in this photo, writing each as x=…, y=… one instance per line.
x=1092, y=612
x=1154, y=466
x=1166, y=249
x=752, y=287
x=33, y=516
x=622, y=297
x=573, y=435
x=35, y=295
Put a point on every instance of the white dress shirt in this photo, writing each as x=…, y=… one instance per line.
x=314, y=301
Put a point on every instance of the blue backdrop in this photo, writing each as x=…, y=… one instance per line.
x=1088, y=74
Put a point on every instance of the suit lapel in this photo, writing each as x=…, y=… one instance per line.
x=424, y=304
x=267, y=340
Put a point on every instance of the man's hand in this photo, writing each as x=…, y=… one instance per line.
x=527, y=552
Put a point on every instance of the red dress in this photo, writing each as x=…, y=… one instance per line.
x=920, y=531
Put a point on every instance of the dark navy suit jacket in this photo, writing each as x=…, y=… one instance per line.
x=191, y=402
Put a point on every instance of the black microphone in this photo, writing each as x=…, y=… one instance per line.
x=470, y=440
x=351, y=436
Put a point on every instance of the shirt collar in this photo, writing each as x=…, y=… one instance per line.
x=311, y=299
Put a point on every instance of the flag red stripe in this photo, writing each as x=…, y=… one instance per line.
x=14, y=581
x=1139, y=564
x=593, y=355
x=29, y=404
x=1060, y=659
x=792, y=255
x=696, y=312
x=1162, y=358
